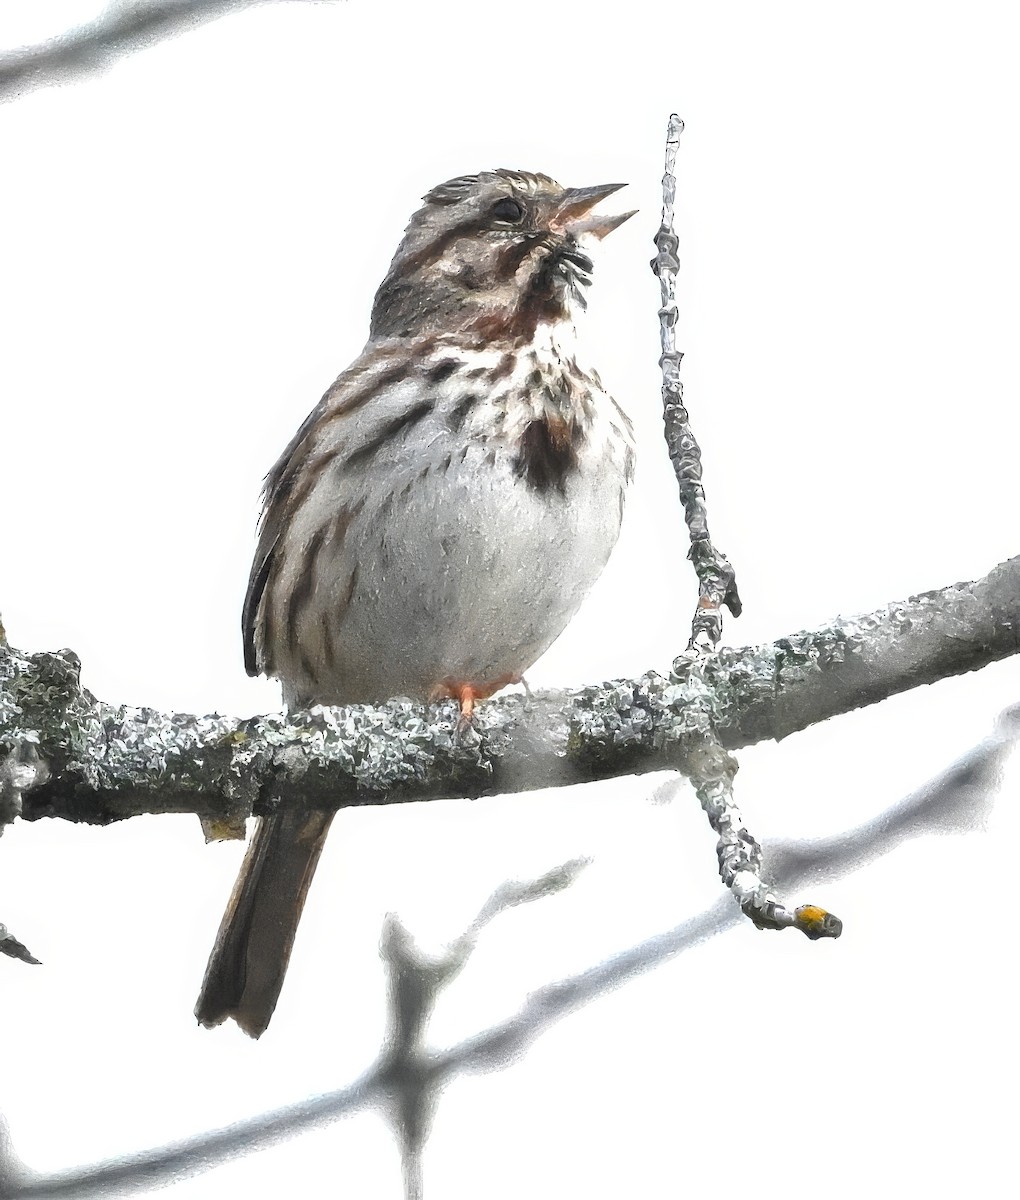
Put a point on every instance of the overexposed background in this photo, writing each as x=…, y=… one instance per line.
x=191, y=242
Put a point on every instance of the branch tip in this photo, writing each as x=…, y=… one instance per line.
x=816, y=923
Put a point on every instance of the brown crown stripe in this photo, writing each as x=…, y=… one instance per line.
x=454, y=190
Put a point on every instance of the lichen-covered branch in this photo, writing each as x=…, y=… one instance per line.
x=105, y=762
x=97, y=762
x=716, y=577
x=124, y=27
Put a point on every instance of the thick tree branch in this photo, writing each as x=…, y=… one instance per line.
x=123, y=28
x=104, y=762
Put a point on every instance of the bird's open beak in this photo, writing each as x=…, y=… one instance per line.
x=573, y=214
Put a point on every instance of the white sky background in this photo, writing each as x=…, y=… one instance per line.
x=191, y=244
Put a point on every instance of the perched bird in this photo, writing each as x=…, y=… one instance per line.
x=439, y=516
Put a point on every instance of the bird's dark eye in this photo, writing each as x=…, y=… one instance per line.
x=508, y=210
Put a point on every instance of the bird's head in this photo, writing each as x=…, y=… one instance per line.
x=496, y=253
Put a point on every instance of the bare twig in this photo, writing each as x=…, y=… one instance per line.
x=716, y=578
x=407, y=1067
x=122, y=28
x=740, y=857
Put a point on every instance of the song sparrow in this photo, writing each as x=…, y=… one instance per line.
x=439, y=516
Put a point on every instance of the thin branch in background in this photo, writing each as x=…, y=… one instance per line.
x=122, y=28
x=407, y=1068
x=956, y=802
x=716, y=578
x=405, y=1080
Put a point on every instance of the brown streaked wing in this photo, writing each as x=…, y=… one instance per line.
x=275, y=494
x=347, y=392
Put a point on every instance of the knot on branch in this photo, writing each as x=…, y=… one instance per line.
x=667, y=244
x=716, y=575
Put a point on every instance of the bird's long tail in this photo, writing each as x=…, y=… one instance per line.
x=249, y=960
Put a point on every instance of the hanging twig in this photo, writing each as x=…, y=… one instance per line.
x=740, y=860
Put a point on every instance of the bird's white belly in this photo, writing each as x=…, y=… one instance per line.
x=467, y=575
x=453, y=533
